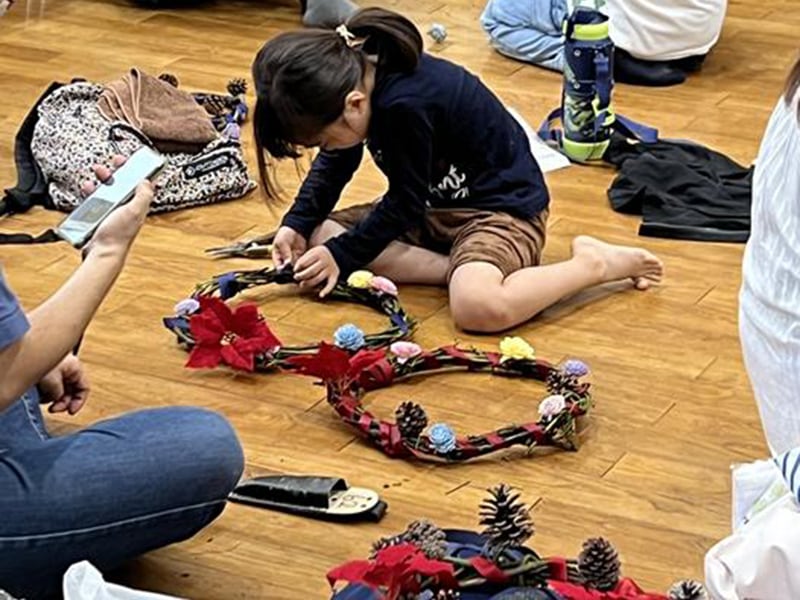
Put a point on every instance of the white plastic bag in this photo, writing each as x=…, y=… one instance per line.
x=760, y=561
x=83, y=582
x=755, y=486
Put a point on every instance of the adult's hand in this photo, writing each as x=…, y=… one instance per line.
x=66, y=387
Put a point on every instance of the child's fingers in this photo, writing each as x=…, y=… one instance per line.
x=314, y=271
x=328, y=286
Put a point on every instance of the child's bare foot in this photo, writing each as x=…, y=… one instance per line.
x=619, y=262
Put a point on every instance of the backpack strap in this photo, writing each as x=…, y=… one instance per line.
x=48, y=237
x=31, y=188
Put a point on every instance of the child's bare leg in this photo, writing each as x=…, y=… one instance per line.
x=402, y=263
x=482, y=301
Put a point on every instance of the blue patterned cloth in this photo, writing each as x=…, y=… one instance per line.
x=789, y=464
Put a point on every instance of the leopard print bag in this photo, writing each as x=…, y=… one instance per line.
x=71, y=136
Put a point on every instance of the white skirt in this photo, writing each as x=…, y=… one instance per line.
x=772, y=358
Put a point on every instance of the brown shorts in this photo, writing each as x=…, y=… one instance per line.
x=507, y=242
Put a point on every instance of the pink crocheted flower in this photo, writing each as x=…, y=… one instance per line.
x=404, y=351
x=552, y=405
x=383, y=285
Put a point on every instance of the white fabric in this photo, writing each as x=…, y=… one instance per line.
x=755, y=486
x=83, y=582
x=761, y=561
x=666, y=29
x=769, y=313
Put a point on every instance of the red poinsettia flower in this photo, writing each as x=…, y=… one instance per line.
x=232, y=337
x=333, y=364
x=396, y=570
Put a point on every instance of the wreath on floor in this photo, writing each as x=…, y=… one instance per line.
x=428, y=563
x=348, y=377
x=216, y=334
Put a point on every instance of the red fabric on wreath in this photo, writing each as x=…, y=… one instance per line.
x=626, y=590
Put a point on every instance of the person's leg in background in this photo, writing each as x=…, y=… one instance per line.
x=527, y=30
x=108, y=493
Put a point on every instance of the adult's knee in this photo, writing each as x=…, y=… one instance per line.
x=480, y=312
x=207, y=450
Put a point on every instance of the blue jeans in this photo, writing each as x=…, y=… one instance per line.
x=107, y=493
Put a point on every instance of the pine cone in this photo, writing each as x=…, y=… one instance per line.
x=169, y=78
x=411, y=420
x=688, y=590
x=237, y=87
x=428, y=537
x=599, y=564
x=558, y=382
x=214, y=104
x=507, y=521
x=386, y=542
x=448, y=595
x=423, y=534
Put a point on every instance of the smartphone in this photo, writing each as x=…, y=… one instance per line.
x=80, y=225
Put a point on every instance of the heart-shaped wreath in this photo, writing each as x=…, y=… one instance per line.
x=240, y=338
x=348, y=377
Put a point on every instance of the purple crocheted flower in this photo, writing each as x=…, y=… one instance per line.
x=575, y=368
x=187, y=307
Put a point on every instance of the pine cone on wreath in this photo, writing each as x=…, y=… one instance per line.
x=558, y=382
x=237, y=87
x=507, y=521
x=599, y=564
x=169, y=78
x=423, y=534
x=411, y=420
x=215, y=104
x=447, y=595
x=688, y=590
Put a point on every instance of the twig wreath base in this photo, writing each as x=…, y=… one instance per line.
x=348, y=378
x=216, y=334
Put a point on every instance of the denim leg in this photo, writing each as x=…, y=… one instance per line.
x=21, y=424
x=111, y=492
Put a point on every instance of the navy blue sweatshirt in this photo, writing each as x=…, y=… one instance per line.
x=443, y=140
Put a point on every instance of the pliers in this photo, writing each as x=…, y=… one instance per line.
x=256, y=248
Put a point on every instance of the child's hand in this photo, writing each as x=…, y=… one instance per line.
x=287, y=247
x=315, y=267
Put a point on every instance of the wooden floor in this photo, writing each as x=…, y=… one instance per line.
x=674, y=410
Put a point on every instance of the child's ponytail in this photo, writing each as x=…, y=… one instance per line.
x=302, y=79
x=390, y=36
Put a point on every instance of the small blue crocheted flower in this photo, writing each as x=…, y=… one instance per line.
x=349, y=337
x=442, y=437
x=575, y=368
x=228, y=286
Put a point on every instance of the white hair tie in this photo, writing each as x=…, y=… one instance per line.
x=347, y=35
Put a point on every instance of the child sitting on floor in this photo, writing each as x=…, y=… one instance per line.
x=467, y=204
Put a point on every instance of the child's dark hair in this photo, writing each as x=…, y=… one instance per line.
x=793, y=85
x=302, y=79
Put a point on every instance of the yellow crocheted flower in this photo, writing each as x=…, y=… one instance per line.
x=360, y=279
x=516, y=348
